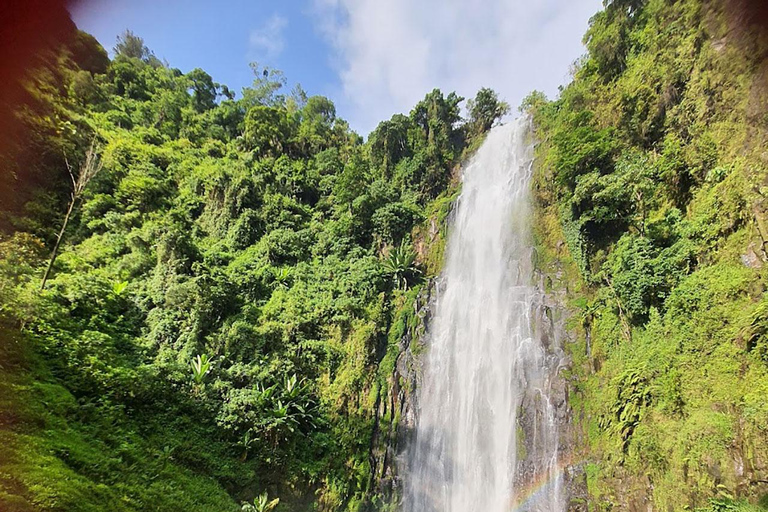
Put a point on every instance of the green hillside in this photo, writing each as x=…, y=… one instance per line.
x=232, y=279
x=223, y=314
x=653, y=193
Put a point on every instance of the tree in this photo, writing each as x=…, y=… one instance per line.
x=204, y=90
x=395, y=220
x=268, y=130
x=437, y=115
x=532, y=103
x=90, y=168
x=485, y=109
x=389, y=143
x=132, y=46
x=317, y=118
x=266, y=83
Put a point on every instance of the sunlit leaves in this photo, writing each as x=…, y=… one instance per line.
x=400, y=264
x=201, y=366
x=485, y=109
x=232, y=273
x=261, y=504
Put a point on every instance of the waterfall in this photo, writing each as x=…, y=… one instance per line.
x=486, y=438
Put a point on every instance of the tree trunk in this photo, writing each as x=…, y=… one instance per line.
x=58, y=241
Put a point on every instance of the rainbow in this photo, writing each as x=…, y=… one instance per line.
x=535, y=488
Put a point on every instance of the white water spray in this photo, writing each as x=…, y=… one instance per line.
x=487, y=374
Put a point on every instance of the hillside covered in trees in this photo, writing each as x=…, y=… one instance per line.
x=226, y=281
x=204, y=293
x=651, y=186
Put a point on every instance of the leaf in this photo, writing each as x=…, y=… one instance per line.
x=119, y=287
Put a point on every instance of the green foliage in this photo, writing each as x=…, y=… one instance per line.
x=201, y=366
x=261, y=504
x=393, y=221
x=131, y=46
x=267, y=130
x=632, y=396
x=264, y=89
x=645, y=172
x=401, y=265
x=227, y=297
x=485, y=109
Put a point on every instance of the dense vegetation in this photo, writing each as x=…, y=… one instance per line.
x=652, y=185
x=234, y=274
x=232, y=280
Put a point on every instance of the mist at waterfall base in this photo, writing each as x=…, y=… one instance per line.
x=486, y=437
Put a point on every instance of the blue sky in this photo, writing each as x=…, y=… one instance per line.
x=373, y=58
x=220, y=37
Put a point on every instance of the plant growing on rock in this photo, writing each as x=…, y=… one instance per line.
x=400, y=264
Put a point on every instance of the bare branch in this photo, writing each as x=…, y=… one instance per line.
x=71, y=174
x=90, y=168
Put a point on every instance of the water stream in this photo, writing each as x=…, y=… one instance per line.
x=486, y=437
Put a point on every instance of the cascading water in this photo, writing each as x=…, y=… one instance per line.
x=485, y=392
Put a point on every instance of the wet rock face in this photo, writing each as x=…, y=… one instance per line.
x=751, y=257
x=396, y=408
x=549, y=317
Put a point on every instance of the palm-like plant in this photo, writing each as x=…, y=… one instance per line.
x=401, y=265
x=261, y=504
x=291, y=408
x=247, y=443
x=201, y=366
x=281, y=278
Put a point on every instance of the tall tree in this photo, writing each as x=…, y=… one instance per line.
x=204, y=90
x=266, y=84
x=90, y=168
x=485, y=109
x=130, y=45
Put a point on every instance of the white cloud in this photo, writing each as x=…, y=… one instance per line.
x=267, y=41
x=392, y=52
